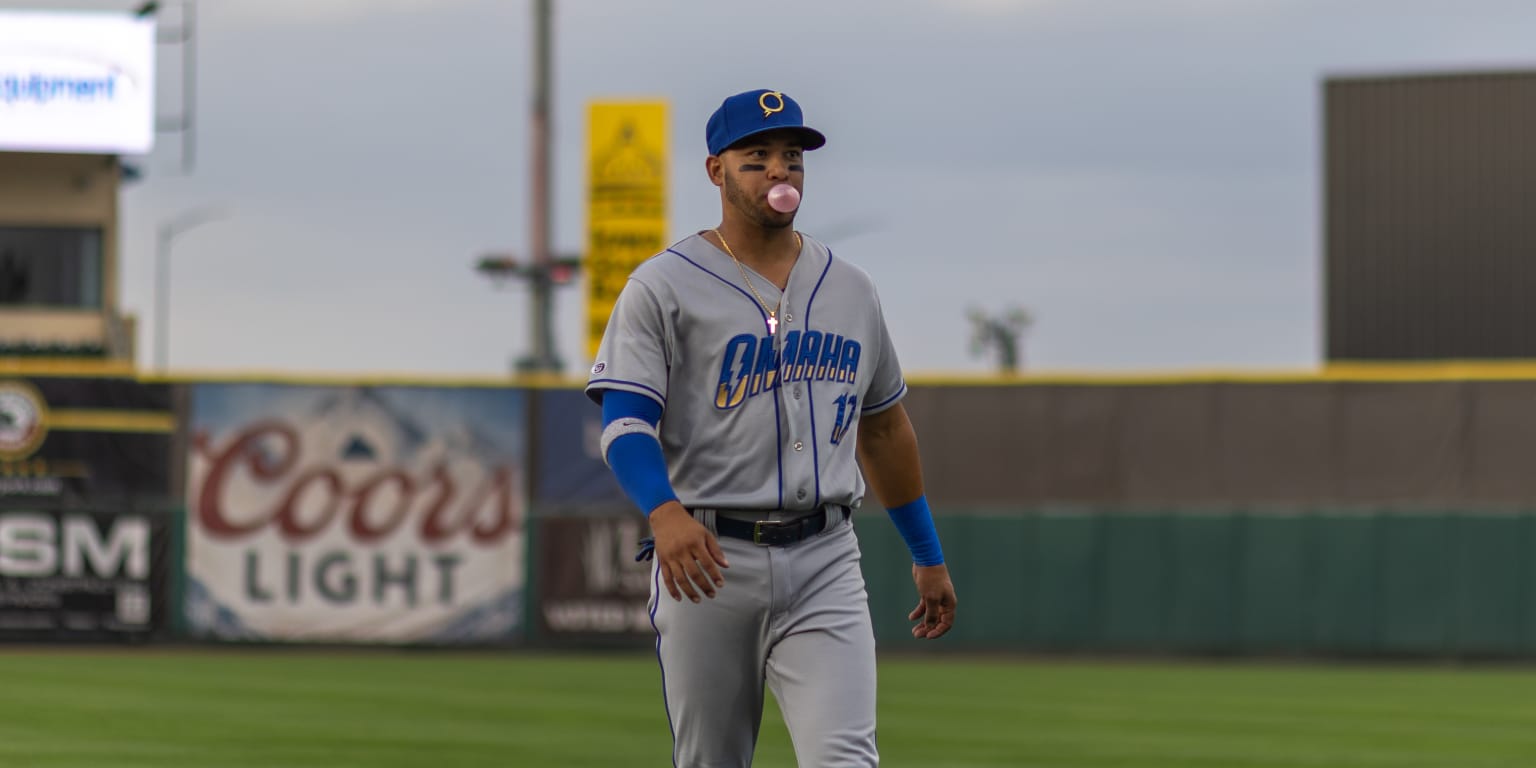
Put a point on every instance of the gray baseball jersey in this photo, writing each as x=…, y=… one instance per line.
x=760, y=420
x=753, y=420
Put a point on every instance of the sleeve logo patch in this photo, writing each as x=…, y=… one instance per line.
x=599, y=368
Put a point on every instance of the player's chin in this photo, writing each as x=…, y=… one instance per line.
x=776, y=220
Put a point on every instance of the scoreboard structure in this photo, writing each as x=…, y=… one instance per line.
x=1429, y=182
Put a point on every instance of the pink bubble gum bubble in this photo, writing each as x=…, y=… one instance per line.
x=783, y=198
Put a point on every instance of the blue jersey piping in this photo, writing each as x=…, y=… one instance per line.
x=815, y=443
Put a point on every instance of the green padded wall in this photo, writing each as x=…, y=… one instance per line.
x=1271, y=582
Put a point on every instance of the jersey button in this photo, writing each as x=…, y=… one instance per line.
x=800, y=494
x=799, y=446
x=789, y=318
x=797, y=393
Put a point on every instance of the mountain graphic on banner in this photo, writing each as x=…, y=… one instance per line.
x=362, y=416
x=496, y=619
x=207, y=617
x=358, y=449
x=364, y=425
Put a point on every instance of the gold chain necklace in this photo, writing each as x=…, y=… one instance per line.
x=773, y=314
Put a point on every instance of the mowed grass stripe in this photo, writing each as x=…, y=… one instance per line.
x=1176, y=715
x=284, y=709
x=270, y=709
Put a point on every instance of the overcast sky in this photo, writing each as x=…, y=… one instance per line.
x=1141, y=175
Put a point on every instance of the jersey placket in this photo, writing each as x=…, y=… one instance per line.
x=795, y=399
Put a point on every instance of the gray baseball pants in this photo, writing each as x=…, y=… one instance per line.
x=795, y=617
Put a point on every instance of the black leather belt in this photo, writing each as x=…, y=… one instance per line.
x=777, y=533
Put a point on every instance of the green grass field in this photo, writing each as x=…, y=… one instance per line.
x=274, y=709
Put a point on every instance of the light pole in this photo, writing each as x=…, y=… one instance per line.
x=165, y=236
x=542, y=359
x=185, y=36
x=543, y=270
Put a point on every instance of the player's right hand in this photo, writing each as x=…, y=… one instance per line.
x=688, y=555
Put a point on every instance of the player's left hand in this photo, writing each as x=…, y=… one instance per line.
x=935, y=611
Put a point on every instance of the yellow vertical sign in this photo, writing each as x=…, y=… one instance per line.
x=626, y=200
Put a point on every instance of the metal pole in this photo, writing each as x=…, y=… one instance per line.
x=188, y=83
x=164, y=237
x=543, y=356
x=162, y=295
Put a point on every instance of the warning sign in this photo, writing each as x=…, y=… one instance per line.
x=626, y=200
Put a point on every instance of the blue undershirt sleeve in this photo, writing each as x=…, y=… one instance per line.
x=635, y=458
x=915, y=524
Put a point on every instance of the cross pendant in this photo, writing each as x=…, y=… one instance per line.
x=773, y=325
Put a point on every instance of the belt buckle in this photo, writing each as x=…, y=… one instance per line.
x=757, y=531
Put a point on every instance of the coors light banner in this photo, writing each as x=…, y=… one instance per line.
x=355, y=514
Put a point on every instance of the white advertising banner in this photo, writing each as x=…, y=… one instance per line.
x=355, y=513
x=77, y=82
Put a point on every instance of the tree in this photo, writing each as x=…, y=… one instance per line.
x=999, y=333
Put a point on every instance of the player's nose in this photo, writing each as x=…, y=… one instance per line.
x=778, y=169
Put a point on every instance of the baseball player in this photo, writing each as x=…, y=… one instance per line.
x=745, y=376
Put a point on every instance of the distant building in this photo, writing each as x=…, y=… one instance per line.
x=59, y=264
x=77, y=90
x=1430, y=216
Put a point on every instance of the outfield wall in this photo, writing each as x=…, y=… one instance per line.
x=1326, y=582
x=1300, y=582
x=1371, y=511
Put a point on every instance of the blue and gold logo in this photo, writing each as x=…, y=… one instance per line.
x=23, y=420
x=776, y=106
x=751, y=365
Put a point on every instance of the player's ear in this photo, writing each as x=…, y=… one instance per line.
x=716, y=170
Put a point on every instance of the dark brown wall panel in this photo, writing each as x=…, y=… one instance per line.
x=1429, y=186
x=1276, y=442
x=1168, y=441
x=1399, y=443
x=1501, y=443
x=983, y=445
x=1435, y=445
x=1083, y=464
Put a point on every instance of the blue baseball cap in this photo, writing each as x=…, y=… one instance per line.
x=752, y=112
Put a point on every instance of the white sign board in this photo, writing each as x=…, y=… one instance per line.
x=77, y=82
x=356, y=514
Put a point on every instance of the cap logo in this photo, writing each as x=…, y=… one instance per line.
x=778, y=100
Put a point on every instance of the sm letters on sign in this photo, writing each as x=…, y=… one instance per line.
x=37, y=545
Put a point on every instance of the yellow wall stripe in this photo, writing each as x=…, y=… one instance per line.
x=521, y=381
x=1447, y=370
x=94, y=420
x=1337, y=372
x=60, y=367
